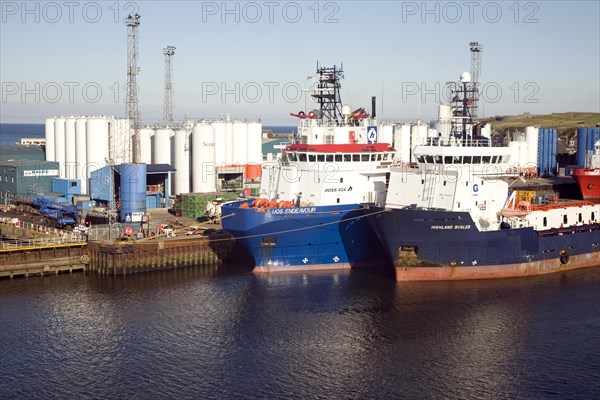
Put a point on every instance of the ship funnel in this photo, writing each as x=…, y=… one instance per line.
x=373, y=104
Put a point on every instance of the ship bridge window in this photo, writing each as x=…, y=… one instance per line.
x=437, y=159
x=364, y=157
x=312, y=158
x=505, y=159
x=457, y=159
x=320, y=157
x=429, y=159
x=467, y=159
x=373, y=157
x=355, y=157
x=476, y=159
x=301, y=157
x=486, y=159
x=379, y=157
x=329, y=157
x=338, y=157
x=448, y=160
x=494, y=159
x=347, y=158
x=292, y=156
x=420, y=159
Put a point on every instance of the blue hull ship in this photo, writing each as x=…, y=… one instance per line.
x=304, y=238
x=308, y=215
x=446, y=245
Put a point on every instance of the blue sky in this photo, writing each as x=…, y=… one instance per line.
x=251, y=58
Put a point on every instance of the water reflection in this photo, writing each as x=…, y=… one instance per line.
x=222, y=333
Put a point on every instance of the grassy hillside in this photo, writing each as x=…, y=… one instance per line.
x=566, y=123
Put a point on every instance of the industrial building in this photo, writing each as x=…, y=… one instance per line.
x=22, y=177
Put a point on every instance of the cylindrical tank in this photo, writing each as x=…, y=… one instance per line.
x=402, y=143
x=240, y=143
x=59, y=144
x=418, y=136
x=387, y=134
x=133, y=192
x=80, y=152
x=204, y=179
x=181, y=162
x=253, y=171
x=444, y=112
x=531, y=137
x=146, y=145
x=49, y=135
x=523, y=154
x=220, y=143
x=254, y=143
x=70, y=148
x=161, y=146
x=123, y=141
x=514, y=153
x=96, y=152
x=229, y=144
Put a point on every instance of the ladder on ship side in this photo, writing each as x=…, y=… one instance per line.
x=429, y=188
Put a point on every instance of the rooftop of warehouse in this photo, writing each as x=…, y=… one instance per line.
x=24, y=161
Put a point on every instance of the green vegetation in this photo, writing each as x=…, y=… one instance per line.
x=566, y=123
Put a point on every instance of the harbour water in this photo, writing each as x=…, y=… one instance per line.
x=231, y=334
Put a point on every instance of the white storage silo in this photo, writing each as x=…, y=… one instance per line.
x=59, y=144
x=161, y=146
x=418, y=137
x=532, y=137
x=146, y=145
x=254, y=143
x=204, y=178
x=49, y=135
x=181, y=162
x=523, y=154
x=96, y=134
x=120, y=140
x=402, y=143
x=514, y=153
x=220, y=143
x=387, y=134
x=70, y=148
x=229, y=145
x=80, y=152
x=240, y=143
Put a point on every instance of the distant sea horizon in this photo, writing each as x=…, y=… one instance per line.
x=11, y=133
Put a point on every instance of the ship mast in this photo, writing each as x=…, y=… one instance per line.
x=328, y=92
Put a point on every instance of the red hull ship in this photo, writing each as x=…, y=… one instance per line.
x=589, y=182
x=588, y=177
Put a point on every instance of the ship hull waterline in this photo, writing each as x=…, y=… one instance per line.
x=449, y=273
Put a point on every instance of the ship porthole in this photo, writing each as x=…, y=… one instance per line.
x=564, y=258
